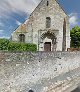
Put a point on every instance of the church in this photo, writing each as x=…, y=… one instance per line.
x=47, y=27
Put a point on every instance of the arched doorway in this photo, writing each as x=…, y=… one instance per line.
x=49, y=41
x=47, y=46
x=22, y=38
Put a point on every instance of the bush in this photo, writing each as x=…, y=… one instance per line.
x=4, y=44
x=16, y=46
x=31, y=47
x=13, y=46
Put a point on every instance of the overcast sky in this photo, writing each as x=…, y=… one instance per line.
x=15, y=12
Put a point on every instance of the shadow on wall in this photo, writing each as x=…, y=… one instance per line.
x=76, y=90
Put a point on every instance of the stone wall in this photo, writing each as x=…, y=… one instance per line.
x=36, y=25
x=38, y=22
x=20, y=72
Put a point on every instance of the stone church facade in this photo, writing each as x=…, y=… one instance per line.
x=47, y=27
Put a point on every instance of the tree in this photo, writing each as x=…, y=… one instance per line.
x=75, y=37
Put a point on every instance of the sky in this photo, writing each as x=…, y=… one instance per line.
x=15, y=12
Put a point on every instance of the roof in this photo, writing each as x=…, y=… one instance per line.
x=23, y=26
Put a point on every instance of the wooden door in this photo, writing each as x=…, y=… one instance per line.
x=47, y=46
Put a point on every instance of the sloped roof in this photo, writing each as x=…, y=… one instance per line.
x=57, y=3
x=22, y=28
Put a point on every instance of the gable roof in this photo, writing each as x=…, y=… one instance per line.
x=47, y=0
x=61, y=7
x=37, y=7
x=21, y=28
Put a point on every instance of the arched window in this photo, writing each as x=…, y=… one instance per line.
x=22, y=38
x=64, y=35
x=48, y=22
x=47, y=3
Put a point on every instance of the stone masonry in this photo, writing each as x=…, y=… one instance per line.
x=40, y=71
x=35, y=30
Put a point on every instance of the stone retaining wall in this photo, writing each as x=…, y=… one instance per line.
x=20, y=72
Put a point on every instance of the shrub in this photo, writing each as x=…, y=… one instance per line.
x=16, y=46
x=4, y=44
x=13, y=46
x=31, y=47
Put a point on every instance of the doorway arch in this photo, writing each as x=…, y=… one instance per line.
x=49, y=41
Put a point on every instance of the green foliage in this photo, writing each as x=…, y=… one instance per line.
x=12, y=46
x=15, y=46
x=75, y=36
x=4, y=44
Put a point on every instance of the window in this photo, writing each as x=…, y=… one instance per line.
x=64, y=35
x=22, y=38
x=47, y=3
x=48, y=22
